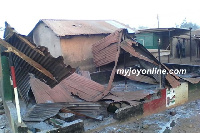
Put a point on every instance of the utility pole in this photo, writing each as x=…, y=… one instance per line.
x=160, y=77
x=158, y=20
x=190, y=45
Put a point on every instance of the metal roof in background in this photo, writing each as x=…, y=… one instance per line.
x=162, y=30
x=83, y=27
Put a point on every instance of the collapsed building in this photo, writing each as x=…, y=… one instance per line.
x=55, y=90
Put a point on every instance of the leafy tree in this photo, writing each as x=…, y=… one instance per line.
x=142, y=27
x=187, y=25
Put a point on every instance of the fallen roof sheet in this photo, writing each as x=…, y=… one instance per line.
x=73, y=85
x=104, y=51
x=132, y=98
x=44, y=94
x=107, y=50
x=140, y=78
x=40, y=62
x=82, y=27
x=41, y=112
x=193, y=80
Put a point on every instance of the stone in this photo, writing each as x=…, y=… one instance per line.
x=56, y=122
x=1, y=107
x=1, y=101
x=172, y=113
x=76, y=126
x=172, y=124
x=2, y=112
x=66, y=116
x=190, y=126
x=145, y=126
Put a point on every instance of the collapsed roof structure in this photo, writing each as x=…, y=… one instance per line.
x=51, y=81
x=113, y=47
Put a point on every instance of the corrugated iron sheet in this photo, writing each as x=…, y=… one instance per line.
x=105, y=51
x=130, y=97
x=82, y=27
x=41, y=112
x=44, y=94
x=84, y=88
x=73, y=85
x=104, y=55
x=39, y=55
x=141, y=78
x=127, y=46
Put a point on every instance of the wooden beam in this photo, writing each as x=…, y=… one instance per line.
x=26, y=58
x=30, y=44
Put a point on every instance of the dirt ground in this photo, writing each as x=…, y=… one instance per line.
x=4, y=125
x=181, y=119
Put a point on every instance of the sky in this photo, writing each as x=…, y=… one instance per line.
x=23, y=15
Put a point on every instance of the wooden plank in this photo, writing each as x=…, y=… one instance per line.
x=109, y=87
x=27, y=59
x=30, y=44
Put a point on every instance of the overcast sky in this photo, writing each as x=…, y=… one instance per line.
x=24, y=14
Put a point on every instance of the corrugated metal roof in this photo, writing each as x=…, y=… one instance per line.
x=130, y=97
x=44, y=94
x=103, y=54
x=74, y=84
x=105, y=51
x=83, y=27
x=43, y=111
x=84, y=88
x=41, y=56
x=163, y=30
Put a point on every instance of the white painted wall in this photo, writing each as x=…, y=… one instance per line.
x=44, y=36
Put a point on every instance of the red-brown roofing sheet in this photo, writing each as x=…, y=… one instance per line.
x=141, y=78
x=193, y=80
x=106, y=55
x=74, y=84
x=128, y=48
x=105, y=50
x=129, y=97
x=84, y=88
x=172, y=80
x=44, y=94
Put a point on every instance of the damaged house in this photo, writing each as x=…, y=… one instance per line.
x=73, y=39
x=55, y=89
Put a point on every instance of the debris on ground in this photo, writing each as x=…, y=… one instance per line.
x=66, y=99
x=4, y=124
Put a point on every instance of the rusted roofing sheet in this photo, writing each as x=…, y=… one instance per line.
x=103, y=55
x=129, y=97
x=41, y=57
x=193, y=80
x=163, y=30
x=83, y=87
x=83, y=27
x=44, y=94
x=141, y=78
x=74, y=84
x=43, y=111
x=127, y=46
x=105, y=51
